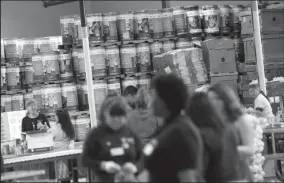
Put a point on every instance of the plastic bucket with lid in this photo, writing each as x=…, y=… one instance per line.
x=2, y=52
x=143, y=57
x=27, y=75
x=82, y=96
x=98, y=61
x=144, y=82
x=78, y=34
x=17, y=102
x=168, y=22
x=39, y=97
x=3, y=78
x=156, y=48
x=100, y=91
x=113, y=60
x=13, y=78
x=37, y=68
x=113, y=86
x=211, y=19
x=43, y=44
x=52, y=97
x=141, y=23
x=183, y=43
x=6, y=102
x=128, y=59
x=125, y=26
x=67, y=28
x=79, y=62
x=236, y=19
x=193, y=20
x=156, y=23
x=82, y=126
x=65, y=64
x=29, y=48
x=50, y=62
x=55, y=41
x=27, y=97
x=69, y=96
x=129, y=81
x=226, y=19
x=168, y=46
x=180, y=20
x=110, y=26
x=12, y=50
x=95, y=25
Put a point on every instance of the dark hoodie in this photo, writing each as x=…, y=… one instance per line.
x=143, y=123
x=100, y=145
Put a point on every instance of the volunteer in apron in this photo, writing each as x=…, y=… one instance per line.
x=111, y=147
x=261, y=102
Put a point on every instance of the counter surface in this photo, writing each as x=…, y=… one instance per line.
x=41, y=156
x=20, y=174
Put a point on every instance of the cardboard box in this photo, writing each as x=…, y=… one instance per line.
x=186, y=63
x=230, y=80
x=272, y=21
x=219, y=55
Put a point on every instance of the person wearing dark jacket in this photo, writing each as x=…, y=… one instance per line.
x=129, y=94
x=221, y=158
x=174, y=155
x=111, y=146
x=142, y=120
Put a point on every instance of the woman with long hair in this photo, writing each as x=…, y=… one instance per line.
x=220, y=158
x=63, y=135
x=141, y=120
x=174, y=155
x=112, y=147
x=228, y=105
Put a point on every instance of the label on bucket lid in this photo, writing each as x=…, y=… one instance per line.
x=17, y=97
x=112, y=51
x=97, y=51
x=114, y=86
x=28, y=96
x=69, y=88
x=128, y=50
x=142, y=48
x=65, y=56
x=37, y=91
x=52, y=90
x=13, y=69
x=66, y=20
x=28, y=68
x=210, y=12
x=83, y=121
x=36, y=58
x=6, y=98
x=28, y=41
x=144, y=81
x=109, y=18
x=100, y=86
x=11, y=41
x=192, y=13
x=130, y=82
x=94, y=18
x=125, y=16
x=49, y=57
x=178, y=12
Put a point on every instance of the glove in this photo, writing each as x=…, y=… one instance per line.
x=130, y=168
x=110, y=167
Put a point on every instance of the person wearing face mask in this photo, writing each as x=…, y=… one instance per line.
x=175, y=153
x=34, y=120
x=262, y=104
x=229, y=107
x=111, y=146
x=141, y=120
x=129, y=94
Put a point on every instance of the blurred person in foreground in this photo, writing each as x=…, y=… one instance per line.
x=141, y=120
x=129, y=94
x=220, y=158
x=112, y=148
x=175, y=154
x=34, y=120
x=225, y=100
x=63, y=137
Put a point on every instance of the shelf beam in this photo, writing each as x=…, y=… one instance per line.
x=166, y=4
x=47, y=4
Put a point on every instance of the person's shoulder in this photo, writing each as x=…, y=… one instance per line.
x=40, y=115
x=25, y=118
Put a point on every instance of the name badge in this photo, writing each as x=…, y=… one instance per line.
x=118, y=151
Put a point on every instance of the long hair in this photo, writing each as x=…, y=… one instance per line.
x=232, y=105
x=172, y=90
x=203, y=113
x=66, y=124
x=143, y=99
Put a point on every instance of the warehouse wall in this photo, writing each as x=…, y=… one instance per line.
x=31, y=19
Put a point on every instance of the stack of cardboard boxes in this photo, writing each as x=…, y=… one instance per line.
x=219, y=57
x=272, y=35
x=186, y=63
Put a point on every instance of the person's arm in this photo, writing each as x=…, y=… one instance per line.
x=138, y=149
x=45, y=120
x=91, y=150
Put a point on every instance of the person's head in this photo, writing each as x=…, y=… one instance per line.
x=225, y=100
x=31, y=106
x=170, y=95
x=143, y=99
x=203, y=113
x=130, y=93
x=254, y=90
x=62, y=117
x=113, y=112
